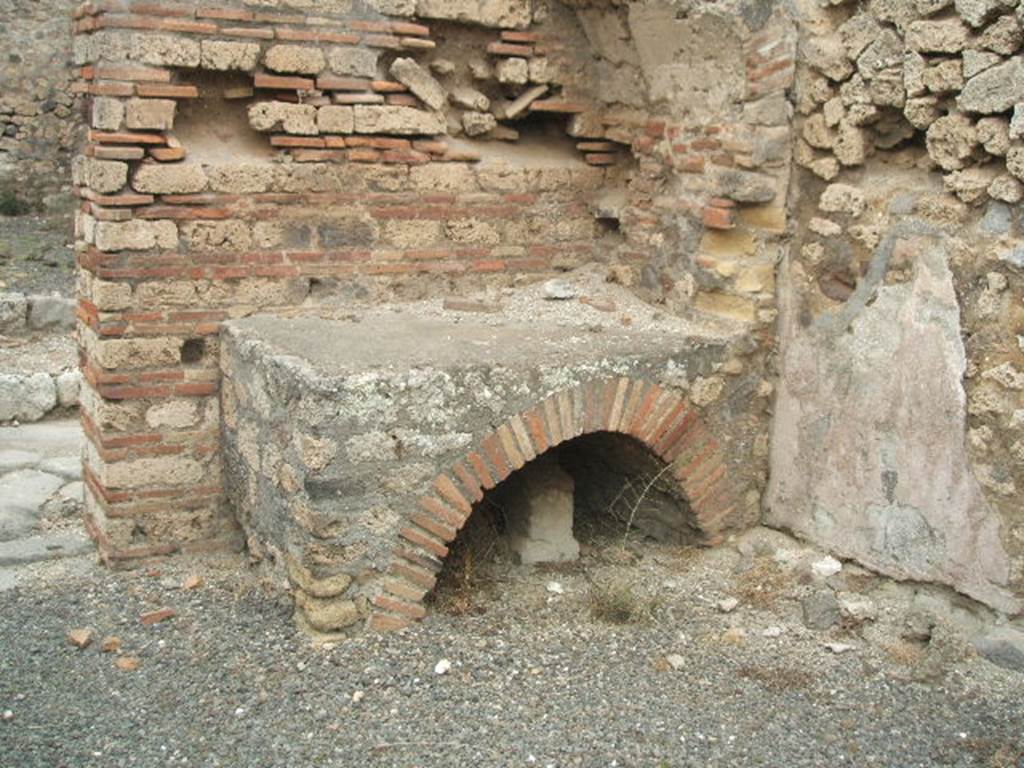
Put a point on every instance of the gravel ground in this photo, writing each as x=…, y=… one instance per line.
x=36, y=253
x=535, y=678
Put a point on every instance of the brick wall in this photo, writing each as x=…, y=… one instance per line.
x=244, y=157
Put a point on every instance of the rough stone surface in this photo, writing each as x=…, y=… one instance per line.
x=26, y=397
x=170, y=179
x=1003, y=646
x=906, y=507
x=419, y=81
x=397, y=119
x=994, y=90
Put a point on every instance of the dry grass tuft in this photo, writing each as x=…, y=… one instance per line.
x=777, y=678
x=616, y=602
x=764, y=583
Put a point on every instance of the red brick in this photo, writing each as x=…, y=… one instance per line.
x=414, y=573
x=413, y=610
x=510, y=49
x=550, y=105
x=552, y=421
x=402, y=100
x=283, y=82
x=448, y=490
x=468, y=481
x=670, y=421
x=316, y=36
x=431, y=525
x=535, y=424
x=617, y=405
x=158, y=91
x=334, y=83
x=257, y=33
x=408, y=28
x=168, y=154
x=522, y=435
x=311, y=142
x=442, y=512
x=495, y=454
x=516, y=36
x=224, y=14
x=403, y=590
x=382, y=622
x=365, y=25
x=674, y=439
x=363, y=155
x=117, y=137
x=600, y=158
x=417, y=43
x=116, y=153
x=196, y=389
x=421, y=539
x=387, y=86
x=718, y=218
x=382, y=41
x=510, y=446
x=481, y=469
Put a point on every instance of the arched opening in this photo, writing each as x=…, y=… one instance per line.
x=592, y=495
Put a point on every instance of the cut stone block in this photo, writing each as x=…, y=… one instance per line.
x=540, y=514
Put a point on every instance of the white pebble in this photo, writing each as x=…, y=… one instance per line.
x=555, y=588
x=675, y=661
x=443, y=667
x=728, y=605
x=357, y=697
x=827, y=566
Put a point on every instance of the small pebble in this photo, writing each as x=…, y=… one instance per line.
x=443, y=667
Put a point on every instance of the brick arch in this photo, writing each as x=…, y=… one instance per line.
x=662, y=420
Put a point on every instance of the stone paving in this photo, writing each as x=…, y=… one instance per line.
x=40, y=495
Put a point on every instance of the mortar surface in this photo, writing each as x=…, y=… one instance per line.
x=522, y=329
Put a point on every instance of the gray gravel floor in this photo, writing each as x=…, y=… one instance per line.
x=535, y=680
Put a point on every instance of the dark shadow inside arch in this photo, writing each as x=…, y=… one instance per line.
x=622, y=493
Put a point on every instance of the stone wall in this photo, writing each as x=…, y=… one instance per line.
x=265, y=155
x=39, y=127
x=897, y=435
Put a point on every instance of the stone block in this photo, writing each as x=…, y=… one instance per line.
x=295, y=59
x=165, y=471
x=335, y=119
x=107, y=113
x=170, y=179
x=503, y=14
x=150, y=114
x=372, y=118
x=297, y=119
x=540, y=513
x=26, y=397
x=513, y=70
x=51, y=313
x=996, y=89
x=136, y=234
x=136, y=353
x=946, y=36
x=345, y=60
x=419, y=81
x=68, y=384
x=108, y=296
x=166, y=50
x=226, y=55
x=105, y=176
x=13, y=312
x=724, y=305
